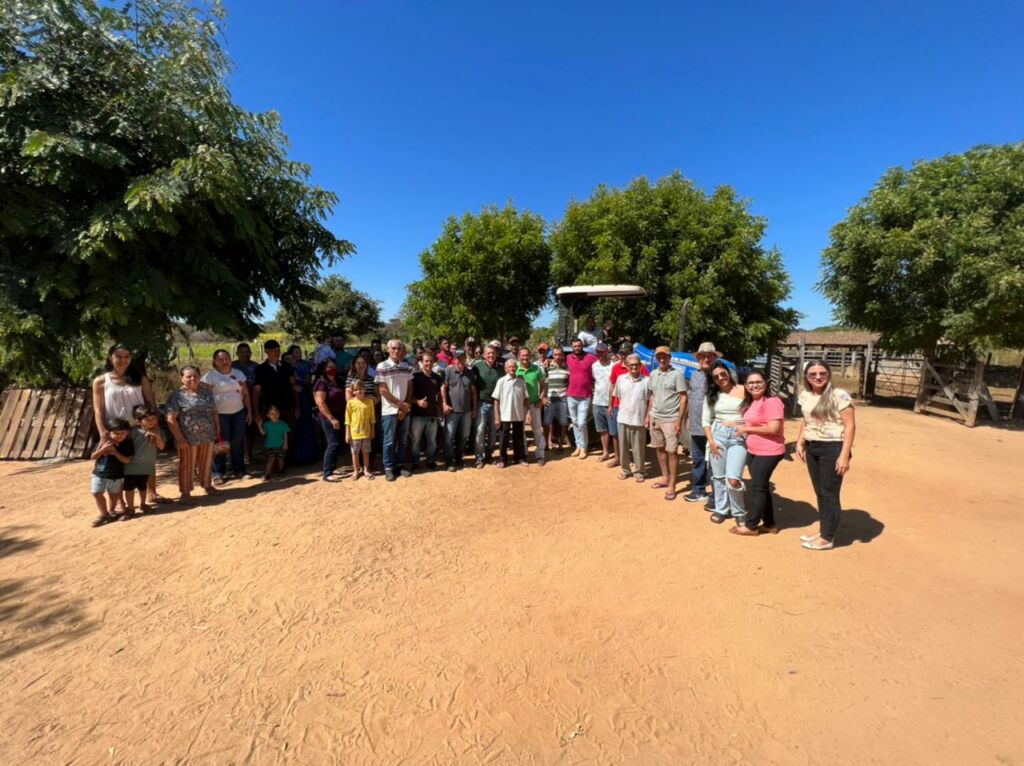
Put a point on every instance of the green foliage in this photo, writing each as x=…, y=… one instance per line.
x=678, y=243
x=135, y=192
x=336, y=309
x=936, y=251
x=487, y=275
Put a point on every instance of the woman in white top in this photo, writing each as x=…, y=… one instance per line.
x=231, y=395
x=825, y=443
x=722, y=415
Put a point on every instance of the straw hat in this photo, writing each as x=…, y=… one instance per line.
x=708, y=348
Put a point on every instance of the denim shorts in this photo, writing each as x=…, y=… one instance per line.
x=557, y=410
x=601, y=419
x=110, y=486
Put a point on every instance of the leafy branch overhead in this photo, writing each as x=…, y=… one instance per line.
x=135, y=192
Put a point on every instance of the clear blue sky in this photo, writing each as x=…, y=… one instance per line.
x=415, y=111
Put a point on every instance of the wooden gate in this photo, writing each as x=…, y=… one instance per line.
x=38, y=424
x=953, y=391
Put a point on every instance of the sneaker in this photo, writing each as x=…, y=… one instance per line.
x=406, y=473
x=219, y=481
x=523, y=462
x=710, y=504
x=695, y=498
x=389, y=475
x=540, y=461
x=451, y=469
x=479, y=464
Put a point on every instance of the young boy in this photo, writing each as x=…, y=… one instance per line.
x=107, y=476
x=513, y=407
x=275, y=442
x=359, y=427
x=147, y=440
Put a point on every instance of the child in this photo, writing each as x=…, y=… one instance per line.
x=111, y=455
x=359, y=428
x=513, y=404
x=275, y=443
x=147, y=440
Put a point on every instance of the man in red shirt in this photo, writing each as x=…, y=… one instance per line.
x=619, y=368
x=580, y=392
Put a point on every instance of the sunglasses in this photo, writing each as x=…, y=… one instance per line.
x=817, y=375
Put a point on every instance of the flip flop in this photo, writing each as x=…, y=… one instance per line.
x=105, y=518
x=659, y=485
x=670, y=495
x=624, y=475
x=161, y=500
x=821, y=544
x=744, y=531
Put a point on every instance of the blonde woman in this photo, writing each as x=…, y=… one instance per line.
x=825, y=444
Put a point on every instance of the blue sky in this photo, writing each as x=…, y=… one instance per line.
x=412, y=112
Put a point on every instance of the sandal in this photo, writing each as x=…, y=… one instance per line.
x=129, y=514
x=717, y=518
x=603, y=458
x=639, y=478
x=744, y=531
x=624, y=474
x=670, y=495
x=659, y=485
x=103, y=518
x=765, y=530
x=161, y=500
x=821, y=544
x=370, y=476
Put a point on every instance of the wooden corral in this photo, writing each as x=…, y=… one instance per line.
x=49, y=423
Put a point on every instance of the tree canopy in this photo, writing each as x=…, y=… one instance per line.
x=936, y=252
x=678, y=243
x=336, y=309
x=135, y=192
x=487, y=275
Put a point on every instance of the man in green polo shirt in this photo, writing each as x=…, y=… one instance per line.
x=488, y=372
x=537, y=390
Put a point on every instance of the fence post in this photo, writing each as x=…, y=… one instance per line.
x=1017, y=408
x=865, y=371
x=798, y=377
x=975, y=394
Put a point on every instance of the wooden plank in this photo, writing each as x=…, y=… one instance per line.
x=36, y=425
x=72, y=408
x=60, y=409
x=84, y=430
x=945, y=413
x=985, y=397
x=950, y=394
x=53, y=408
x=14, y=424
x=11, y=398
x=17, y=450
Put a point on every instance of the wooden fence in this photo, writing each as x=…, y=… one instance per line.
x=37, y=424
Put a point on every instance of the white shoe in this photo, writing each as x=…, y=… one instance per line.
x=808, y=538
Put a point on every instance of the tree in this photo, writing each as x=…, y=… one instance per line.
x=679, y=244
x=936, y=252
x=136, y=194
x=336, y=309
x=487, y=275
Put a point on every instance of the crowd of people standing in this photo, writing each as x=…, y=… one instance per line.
x=441, y=402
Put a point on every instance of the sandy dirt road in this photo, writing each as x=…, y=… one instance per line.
x=530, y=616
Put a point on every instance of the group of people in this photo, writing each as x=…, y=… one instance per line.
x=450, y=403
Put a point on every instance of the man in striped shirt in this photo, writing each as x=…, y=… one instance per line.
x=394, y=378
x=556, y=415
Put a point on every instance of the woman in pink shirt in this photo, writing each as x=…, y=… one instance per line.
x=763, y=418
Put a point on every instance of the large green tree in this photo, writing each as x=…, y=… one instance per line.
x=486, y=275
x=935, y=252
x=135, y=192
x=678, y=243
x=336, y=309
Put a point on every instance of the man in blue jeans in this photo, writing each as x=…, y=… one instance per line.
x=394, y=378
x=488, y=372
x=580, y=392
x=697, y=389
x=458, y=400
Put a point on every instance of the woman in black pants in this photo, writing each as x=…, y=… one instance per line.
x=763, y=419
x=825, y=443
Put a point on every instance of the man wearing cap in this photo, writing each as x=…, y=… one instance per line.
x=697, y=388
x=537, y=392
x=513, y=350
x=666, y=409
x=488, y=373
x=458, y=398
x=542, y=355
x=600, y=405
x=580, y=392
x=619, y=369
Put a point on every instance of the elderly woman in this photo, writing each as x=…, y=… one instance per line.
x=193, y=419
x=231, y=396
x=118, y=391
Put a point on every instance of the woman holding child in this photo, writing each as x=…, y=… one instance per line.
x=192, y=418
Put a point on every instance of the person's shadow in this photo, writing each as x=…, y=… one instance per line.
x=855, y=525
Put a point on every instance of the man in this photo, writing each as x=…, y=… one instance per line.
x=666, y=408
x=601, y=403
x=275, y=385
x=488, y=372
x=426, y=399
x=556, y=411
x=580, y=392
x=536, y=391
x=342, y=358
x=444, y=356
x=631, y=391
x=394, y=379
x=607, y=331
x=589, y=335
x=619, y=369
x=324, y=350
x=698, y=389
x=376, y=345
x=458, y=398
x=243, y=361
x=542, y=355
x=513, y=350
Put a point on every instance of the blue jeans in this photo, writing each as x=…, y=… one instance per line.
x=457, y=426
x=728, y=466
x=420, y=426
x=485, y=433
x=333, y=440
x=537, y=427
x=579, y=413
x=698, y=454
x=232, y=430
x=396, y=434
x=613, y=423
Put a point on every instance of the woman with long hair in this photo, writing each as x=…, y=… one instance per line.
x=825, y=444
x=329, y=399
x=762, y=429
x=360, y=373
x=721, y=418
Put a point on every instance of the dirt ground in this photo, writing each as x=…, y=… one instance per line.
x=547, y=615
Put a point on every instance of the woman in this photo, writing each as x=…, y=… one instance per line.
x=303, y=447
x=825, y=443
x=762, y=429
x=360, y=373
x=234, y=410
x=115, y=394
x=721, y=418
x=192, y=418
x=329, y=399
x=378, y=357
